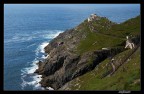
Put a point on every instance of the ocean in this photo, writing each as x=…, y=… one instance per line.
x=28, y=28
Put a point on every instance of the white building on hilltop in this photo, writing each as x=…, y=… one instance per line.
x=129, y=43
x=92, y=16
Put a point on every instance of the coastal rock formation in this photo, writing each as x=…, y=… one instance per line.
x=77, y=51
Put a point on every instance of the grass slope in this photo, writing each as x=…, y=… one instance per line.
x=107, y=34
x=127, y=77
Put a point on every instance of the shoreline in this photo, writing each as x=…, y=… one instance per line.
x=43, y=58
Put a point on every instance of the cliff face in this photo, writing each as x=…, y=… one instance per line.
x=79, y=50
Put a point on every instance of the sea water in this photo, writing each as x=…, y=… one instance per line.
x=28, y=28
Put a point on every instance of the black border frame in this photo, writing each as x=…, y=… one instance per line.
x=86, y=91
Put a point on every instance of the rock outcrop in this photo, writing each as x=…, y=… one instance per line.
x=65, y=63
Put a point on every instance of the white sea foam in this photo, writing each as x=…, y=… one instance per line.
x=24, y=83
x=42, y=46
x=44, y=57
x=31, y=45
x=35, y=82
x=37, y=51
x=46, y=34
x=49, y=88
x=52, y=35
x=29, y=71
x=18, y=38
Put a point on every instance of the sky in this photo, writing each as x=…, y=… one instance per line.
x=71, y=5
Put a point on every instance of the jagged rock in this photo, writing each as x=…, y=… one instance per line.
x=64, y=63
x=63, y=66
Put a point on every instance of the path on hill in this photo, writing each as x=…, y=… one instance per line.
x=126, y=58
x=92, y=29
x=111, y=72
x=111, y=36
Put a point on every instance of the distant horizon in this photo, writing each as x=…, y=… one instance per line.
x=71, y=5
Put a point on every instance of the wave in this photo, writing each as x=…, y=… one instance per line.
x=31, y=45
x=28, y=73
x=18, y=39
x=51, y=35
x=44, y=56
x=49, y=88
x=44, y=34
x=42, y=46
x=28, y=77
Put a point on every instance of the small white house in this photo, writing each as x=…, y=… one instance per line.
x=129, y=43
x=92, y=16
x=89, y=19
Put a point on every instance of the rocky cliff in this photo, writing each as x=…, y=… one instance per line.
x=77, y=51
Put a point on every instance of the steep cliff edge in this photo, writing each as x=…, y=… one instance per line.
x=79, y=50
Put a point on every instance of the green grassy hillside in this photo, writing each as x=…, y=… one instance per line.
x=127, y=77
x=105, y=34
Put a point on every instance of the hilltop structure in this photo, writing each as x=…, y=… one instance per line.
x=129, y=43
x=92, y=16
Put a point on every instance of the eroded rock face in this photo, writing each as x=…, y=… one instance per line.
x=64, y=64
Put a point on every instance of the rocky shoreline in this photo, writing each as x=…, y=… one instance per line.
x=64, y=63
